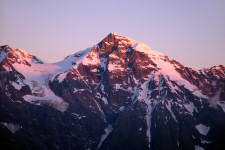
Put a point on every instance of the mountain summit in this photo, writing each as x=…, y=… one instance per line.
x=118, y=94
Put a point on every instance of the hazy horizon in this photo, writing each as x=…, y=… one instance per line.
x=190, y=32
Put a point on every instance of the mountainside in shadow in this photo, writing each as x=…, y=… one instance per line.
x=118, y=94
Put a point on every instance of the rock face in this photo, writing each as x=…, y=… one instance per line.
x=118, y=94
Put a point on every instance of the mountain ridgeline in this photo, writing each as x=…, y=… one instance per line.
x=117, y=95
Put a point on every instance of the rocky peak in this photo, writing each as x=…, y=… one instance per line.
x=5, y=48
x=15, y=52
x=218, y=70
x=122, y=44
x=113, y=42
x=18, y=56
x=4, y=51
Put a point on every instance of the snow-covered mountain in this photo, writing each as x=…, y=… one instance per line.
x=118, y=94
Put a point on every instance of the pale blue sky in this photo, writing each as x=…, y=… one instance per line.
x=189, y=31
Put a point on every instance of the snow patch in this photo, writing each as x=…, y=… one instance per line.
x=18, y=85
x=99, y=108
x=197, y=147
x=50, y=100
x=119, y=87
x=166, y=68
x=114, y=68
x=78, y=90
x=3, y=55
x=190, y=107
x=148, y=120
x=222, y=105
x=12, y=127
x=171, y=112
x=62, y=76
x=78, y=116
x=38, y=76
x=104, y=136
x=202, y=129
x=121, y=108
x=98, y=95
x=205, y=142
x=214, y=100
x=91, y=59
x=105, y=100
x=103, y=63
x=71, y=60
x=112, y=55
x=141, y=47
x=142, y=93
